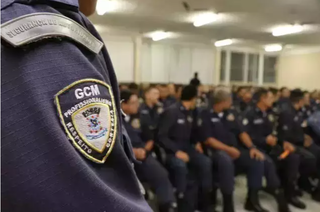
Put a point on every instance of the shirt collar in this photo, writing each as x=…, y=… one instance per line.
x=74, y=3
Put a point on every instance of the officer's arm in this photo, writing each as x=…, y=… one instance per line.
x=136, y=142
x=284, y=128
x=246, y=140
x=206, y=131
x=248, y=127
x=167, y=120
x=146, y=128
x=216, y=144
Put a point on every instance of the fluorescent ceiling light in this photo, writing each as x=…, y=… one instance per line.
x=223, y=42
x=273, y=48
x=159, y=35
x=285, y=30
x=204, y=19
x=104, y=6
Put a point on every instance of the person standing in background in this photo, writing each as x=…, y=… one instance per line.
x=195, y=81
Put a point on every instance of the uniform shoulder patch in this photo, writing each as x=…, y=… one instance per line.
x=88, y=114
x=271, y=118
x=245, y=121
x=135, y=123
x=36, y=26
x=230, y=117
x=160, y=110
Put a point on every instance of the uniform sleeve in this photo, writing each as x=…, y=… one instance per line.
x=166, y=122
x=248, y=126
x=134, y=137
x=204, y=126
x=146, y=127
x=285, y=126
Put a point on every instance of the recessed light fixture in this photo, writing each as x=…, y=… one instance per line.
x=104, y=6
x=273, y=48
x=159, y=35
x=205, y=18
x=225, y=42
x=286, y=30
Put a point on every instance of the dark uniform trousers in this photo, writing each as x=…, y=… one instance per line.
x=287, y=169
x=151, y=172
x=199, y=165
x=310, y=160
x=226, y=168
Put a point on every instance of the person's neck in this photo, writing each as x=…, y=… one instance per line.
x=126, y=112
x=149, y=103
x=261, y=106
x=296, y=106
x=217, y=108
x=186, y=105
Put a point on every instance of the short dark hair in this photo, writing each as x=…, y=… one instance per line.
x=305, y=92
x=240, y=88
x=195, y=74
x=188, y=93
x=150, y=88
x=125, y=95
x=133, y=86
x=260, y=93
x=296, y=95
x=283, y=88
x=274, y=91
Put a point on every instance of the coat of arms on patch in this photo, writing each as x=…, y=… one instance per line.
x=87, y=112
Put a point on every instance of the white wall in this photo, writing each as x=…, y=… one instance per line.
x=170, y=62
x=121, y=51
x=299, y=70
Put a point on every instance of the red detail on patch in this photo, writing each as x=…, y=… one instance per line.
x=88, y=125
x=95, y=131
x=91, y=131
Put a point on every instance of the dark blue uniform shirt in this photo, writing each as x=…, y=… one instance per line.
x=133, y=127
x=259, y=124
x=223, y=126
x=149, y=118
x=175, y=128
x=290, y=126
x=41, y=168
x=170, y=100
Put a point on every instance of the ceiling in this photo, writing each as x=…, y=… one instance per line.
x=249, y=21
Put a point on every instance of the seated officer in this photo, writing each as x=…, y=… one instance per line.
x=221, y=130
x=260, y=123
x=284, y=101
x=165, y=98
x=150, y=111
x=174, y=134
x=290, y=129
x=149, y=170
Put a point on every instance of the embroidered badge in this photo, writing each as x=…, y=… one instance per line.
x=304, y=124
x=199, y=122
x=160, y=110
x=230, y=117
x=245, y=122
x=271, y=118
x=135, y=123
x=190, y=119
x=180, y=121
x=87, y=112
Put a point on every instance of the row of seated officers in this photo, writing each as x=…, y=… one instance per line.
x=205, y=147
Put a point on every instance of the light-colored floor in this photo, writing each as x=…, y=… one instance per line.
x=266, y=200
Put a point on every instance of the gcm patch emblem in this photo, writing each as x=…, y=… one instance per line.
x=87, y=112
